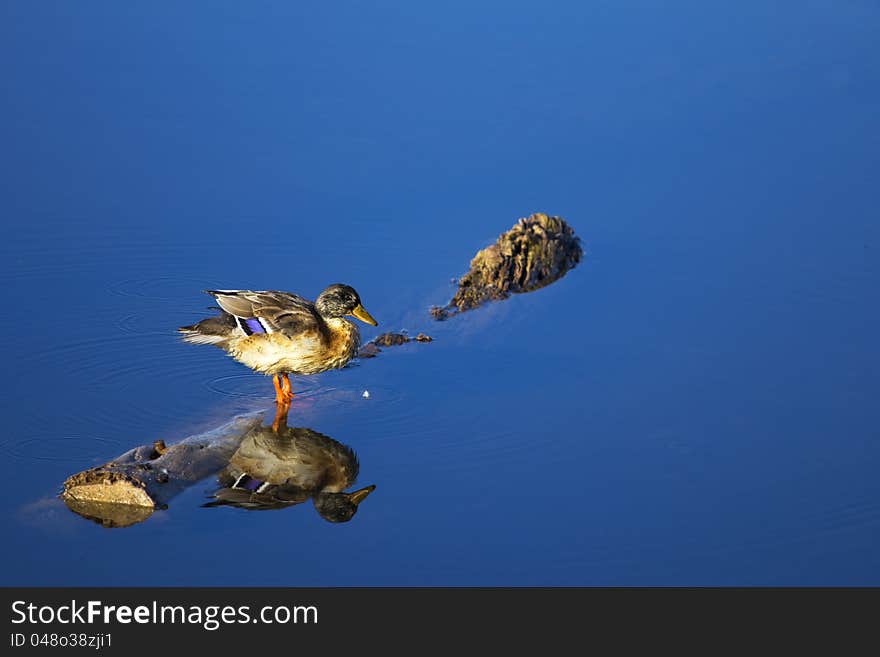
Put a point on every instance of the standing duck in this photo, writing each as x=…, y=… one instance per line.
x=280, y=333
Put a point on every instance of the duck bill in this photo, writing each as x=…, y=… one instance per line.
x=361, y=313
x=359, y=496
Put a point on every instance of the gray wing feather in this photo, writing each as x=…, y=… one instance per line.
x=282, y=311
x=235, y=303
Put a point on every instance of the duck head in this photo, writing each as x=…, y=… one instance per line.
x=339, y=300
x=340, y=507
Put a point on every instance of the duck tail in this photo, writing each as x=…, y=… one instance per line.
x=214, y=330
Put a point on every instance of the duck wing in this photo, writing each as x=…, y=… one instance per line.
x=269, y=311
x=245, y=499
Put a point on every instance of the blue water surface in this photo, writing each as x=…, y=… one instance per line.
x=694, y=404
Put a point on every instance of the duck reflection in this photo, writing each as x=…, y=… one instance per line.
x=279, y=466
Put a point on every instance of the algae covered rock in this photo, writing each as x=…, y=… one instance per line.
x=537, y=251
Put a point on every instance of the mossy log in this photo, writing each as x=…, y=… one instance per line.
x=129, y=488
x=537, y=251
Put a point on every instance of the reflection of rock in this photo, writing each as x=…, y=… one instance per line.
x=109, y=514
x=537, y=251
x=278, y=467
x=128, y=488
x=371, y=349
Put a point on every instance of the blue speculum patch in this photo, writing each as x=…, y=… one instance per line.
x=254, y=325
x=249, y=483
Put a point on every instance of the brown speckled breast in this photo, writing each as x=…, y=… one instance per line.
x=304, y=353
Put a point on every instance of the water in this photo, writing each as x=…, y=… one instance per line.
x=694, y=404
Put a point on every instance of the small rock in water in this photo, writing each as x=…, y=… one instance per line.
x=366, y=394
x=390, y=339
x=372, y=348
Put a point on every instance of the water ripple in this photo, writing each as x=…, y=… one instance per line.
x=70, y=448
x=160, y=288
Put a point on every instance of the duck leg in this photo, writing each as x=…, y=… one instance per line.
x=285, y=387
x=283, y=393
x=279, y=391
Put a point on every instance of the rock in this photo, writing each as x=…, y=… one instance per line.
x=390, y=339
x=537, y=251
x=371, y=349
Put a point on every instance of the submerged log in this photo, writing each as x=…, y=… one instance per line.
x=537, y=251
x=129, y=488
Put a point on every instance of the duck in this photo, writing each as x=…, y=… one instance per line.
x=280, y=333
x=278, y=466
